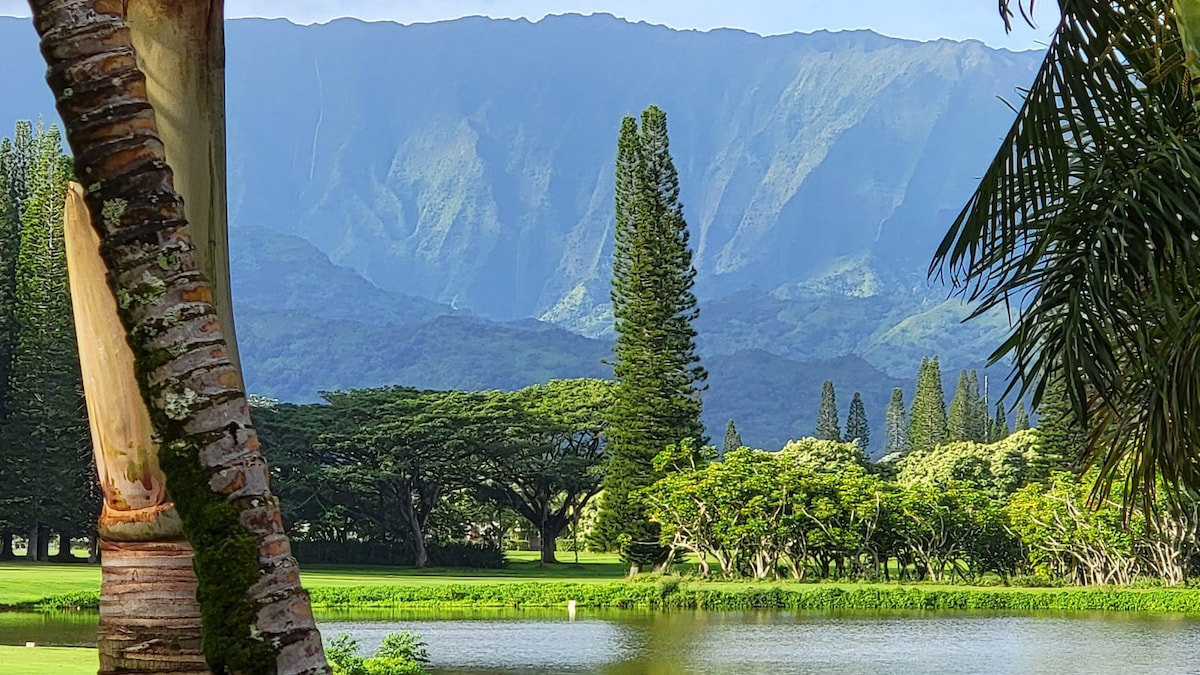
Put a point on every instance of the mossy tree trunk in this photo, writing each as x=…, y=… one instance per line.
x=149, y=615
x=256, y=616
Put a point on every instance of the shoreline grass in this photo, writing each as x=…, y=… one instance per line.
x=597, y=582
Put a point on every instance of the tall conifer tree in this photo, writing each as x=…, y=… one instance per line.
x=657, y=372
x=980, y=418
x=967, y=418
x=828, y=428
x=999, y=426
x=11, y=492
x=927, y=419
x=895, y=425
x=1061, y=437
x=1022, y=421
x=46, y=427
x=857, y=427
x=733, y=440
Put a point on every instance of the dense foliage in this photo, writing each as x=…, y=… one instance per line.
x=954, y=512
x=927, y=417
x=656, y=370
x=399, y=654
x=47, y=480
x=373, y=470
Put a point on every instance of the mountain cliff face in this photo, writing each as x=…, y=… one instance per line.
x=470, y=162
x=407, y=199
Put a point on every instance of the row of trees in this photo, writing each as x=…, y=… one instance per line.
x=962, y=509
x=47, y=478
x=425, y=469
x=928, y=423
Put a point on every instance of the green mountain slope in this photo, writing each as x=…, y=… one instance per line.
x=419, y=184
x=470, y=161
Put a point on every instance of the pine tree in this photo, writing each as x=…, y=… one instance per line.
x=966, y=418
x=12, y=491
x=1061, y=437
x=895, y=425
x=857, y=428
x=999, y=426
x=657, y=372
x=979, y=419
x=957, y=419
x=15, y=157
x=828, y=428
x=46, y=426
x=733, y=440
x=1022, y=422
x=927, y=419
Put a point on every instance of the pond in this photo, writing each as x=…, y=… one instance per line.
x=766, y=643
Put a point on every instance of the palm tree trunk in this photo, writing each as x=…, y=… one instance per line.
x=149, y=615
x=180, y=46
x=149, y=618
x=256, y=617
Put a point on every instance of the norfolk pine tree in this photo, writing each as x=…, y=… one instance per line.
x=857, y=427
x=1061, y=437
x=733, y=440
x=46, y=428
x=979, y=420
x=998, y=430
x=1022, y=421
x=967, y=418
x=927, y=419
x=894, y=425
x=828, y=428
x=656, y=399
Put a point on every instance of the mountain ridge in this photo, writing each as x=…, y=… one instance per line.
x=428, y=192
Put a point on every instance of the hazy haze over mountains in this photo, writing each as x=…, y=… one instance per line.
x=432, y=178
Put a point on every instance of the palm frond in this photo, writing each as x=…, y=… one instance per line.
x=1085, y=226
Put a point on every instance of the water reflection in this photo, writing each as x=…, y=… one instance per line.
x=495, y=642
x=844, y=643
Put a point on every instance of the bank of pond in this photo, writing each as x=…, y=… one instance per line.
x=624, y=642
x=676, y=593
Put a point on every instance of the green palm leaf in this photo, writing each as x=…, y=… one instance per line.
x=1085, y=225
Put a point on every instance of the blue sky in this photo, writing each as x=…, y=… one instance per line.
x=917, y=19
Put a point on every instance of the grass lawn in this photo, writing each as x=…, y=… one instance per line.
x=48, y=660
x=22, y=582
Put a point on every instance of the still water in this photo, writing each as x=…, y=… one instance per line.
x=766, y=643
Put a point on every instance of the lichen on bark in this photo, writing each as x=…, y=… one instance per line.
x=256, y=616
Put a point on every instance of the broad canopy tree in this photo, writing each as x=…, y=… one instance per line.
x=389, y=465
x=557, y=466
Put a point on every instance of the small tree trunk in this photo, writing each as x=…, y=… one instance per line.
x=6, y=546
x=64, y=549
x=94, y=550
x=548, y=545
x=420, y=553
x=43, y=547
x=31, y=543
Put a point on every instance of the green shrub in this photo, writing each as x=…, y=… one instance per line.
x=400, y=654
x=70, y=601
x=1034, y=581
